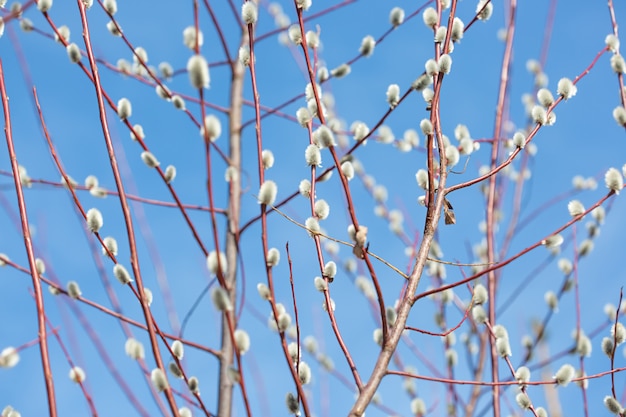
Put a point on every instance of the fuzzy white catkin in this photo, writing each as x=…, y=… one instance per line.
x=545, y=98
x=458, y=28
x=445, y=63
x=519, y=139
x=422, y=179
x=421, y=82
x=149, y=159
x=539, y=115
x=619, y=114
x=575, y=208
x=170, y=173
x=73, y=290
x=44, y=5
x=452, y=155
x=430, y=17
x=293, y=406
x=348, y=170
x=427, y=127
x=121, y=274
x=396, y=16
x=193, y=384
x=26, y=24
x=295, y=34
x=522, y=400
x=264, y=291
x=617, y=64
x=566, y=88
x=330, y=269
x=267, y=157
x=198, y=70
x=134, y=348
x=212, y=262
x=137, y=132
x=440, y=34
x=304, y=372
x=110, y=6
x=304, y=4
x=163, y=92
x=304, y=188
x=313, y=226
x=322, y=209
x=341, y=71
x=522, y=375
x=486, y=12
x=480, y=294
x=564, y=375
x=244, y=55
x=73, y=52
x=191, y=37
x=313, y=156
x=242, y=341
x=303, y=116
x=185, y=412
x=432, y=67
x=220, y=299
x=618, y=331
x=159, y=380
x=249, y=12
x=124, y=108
x=178, y=349
x=166, y=70
x=367, y=46
x=551, y=300
x=503, y=346
x=94, y=220
x=320, y=284
x=312, y=39
x=324, y=137
x=113, y=29
x=267, y=192
x=212, y=127
x=77, y=374
x=553, y=241
x=175, y=370
x=63, y=33
x=612, y=42
x=273, y=257
x=359, y=130
x=613, y=405
x=40, y=266
x=178, y=102
x=418, y=407
x=393, y=95
x=614, y=180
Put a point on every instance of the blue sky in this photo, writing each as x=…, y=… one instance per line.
x=584, y=141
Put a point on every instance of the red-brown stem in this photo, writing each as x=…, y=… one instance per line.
x=501, y=264
x=264, y=231
x=298, y=381
x=578, y=319
x=103, y=276
x=620, y=76
x=530, y=136
x=615, y=333
x=83, y=388
x=141, y=142
x=492, y=201
x=28, y=244
x=134, y=260
x=351, y=212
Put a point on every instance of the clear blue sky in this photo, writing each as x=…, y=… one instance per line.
x=584, y=141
